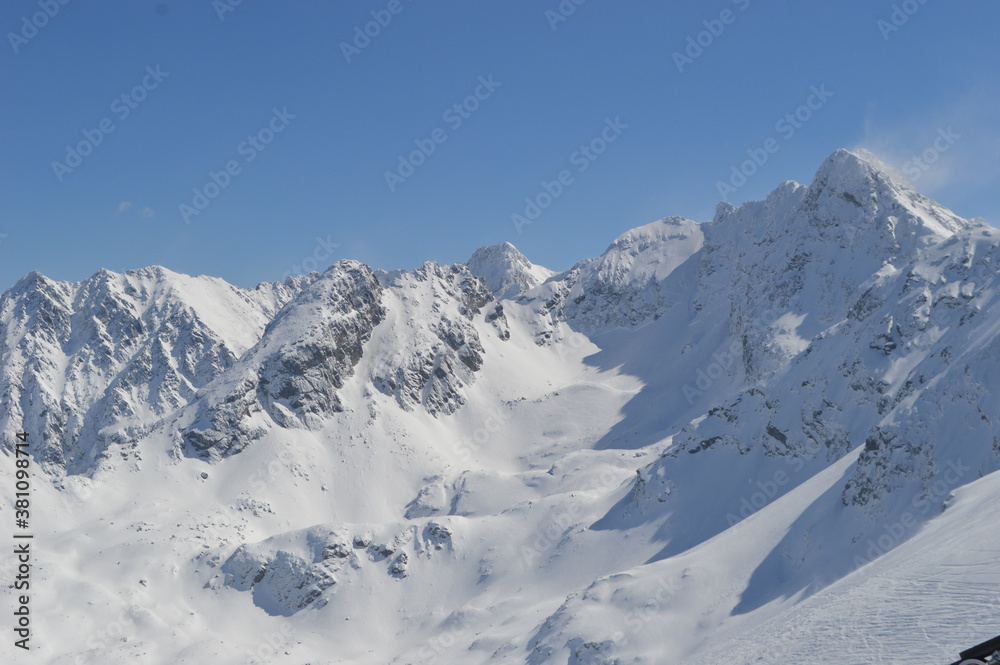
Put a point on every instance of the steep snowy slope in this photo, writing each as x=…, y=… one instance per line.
x=877, y=365
x=728, y=441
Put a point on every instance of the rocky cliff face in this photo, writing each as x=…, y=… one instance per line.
x=291, y=377
x=89, y=367
x=433, y=358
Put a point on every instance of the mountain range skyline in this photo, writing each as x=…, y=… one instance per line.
x=145, y=125
x=649, y=457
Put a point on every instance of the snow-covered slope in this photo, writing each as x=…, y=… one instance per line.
x=770, y=437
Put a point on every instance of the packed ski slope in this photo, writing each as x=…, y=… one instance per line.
x=769, y=437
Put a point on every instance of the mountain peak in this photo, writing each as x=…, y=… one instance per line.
x=856, y=159
x=847, y=170
x=32, y=277
x=503, y=249
x=860, y=189
x=507, y=271
x=35, y=281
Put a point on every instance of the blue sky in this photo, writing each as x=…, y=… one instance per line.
x=309, y=127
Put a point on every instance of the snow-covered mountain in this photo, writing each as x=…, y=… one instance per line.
x=506, y=271
x=94, y=364
x=772, y=436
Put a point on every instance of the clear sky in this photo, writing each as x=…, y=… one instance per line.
x=115, y=112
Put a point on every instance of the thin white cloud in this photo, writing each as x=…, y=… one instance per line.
x=145, y=212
